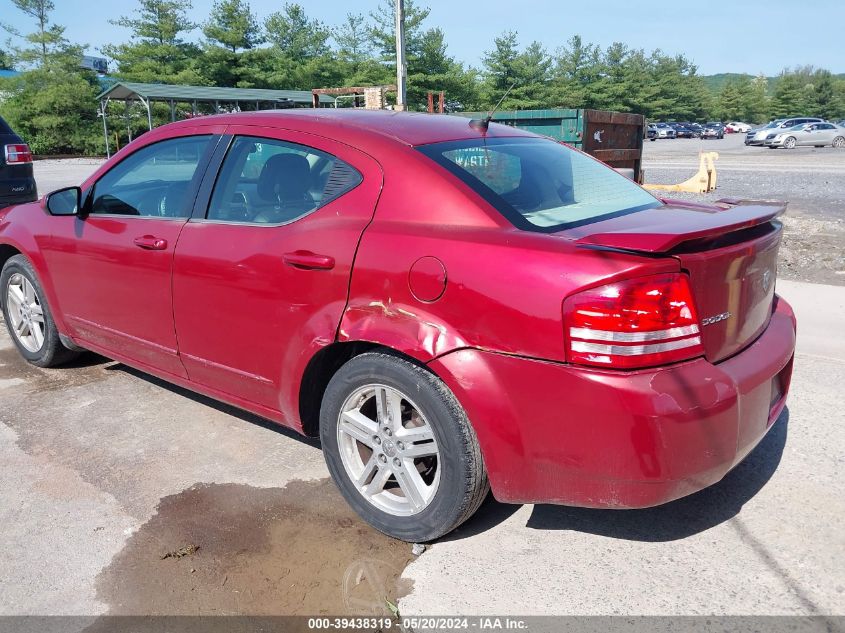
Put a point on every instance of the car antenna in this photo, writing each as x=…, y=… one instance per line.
x=483, y=124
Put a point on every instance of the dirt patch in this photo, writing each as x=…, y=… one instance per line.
x=813, y=249
x=298, y=550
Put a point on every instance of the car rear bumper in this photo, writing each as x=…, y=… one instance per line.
x=554, y=433
x=17, y=190
x=8, y=201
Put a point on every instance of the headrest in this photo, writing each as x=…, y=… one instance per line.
x=284, y=177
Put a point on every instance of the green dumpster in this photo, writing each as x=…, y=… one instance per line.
x=615, y=138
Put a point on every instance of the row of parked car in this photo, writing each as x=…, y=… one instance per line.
x=796, y=131
x=684, y=129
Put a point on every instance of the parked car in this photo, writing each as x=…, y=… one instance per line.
x=737, y=127
x=17, y=183
x=758, y=136
x=713, y=130
x=815, y=134
x=664, y=130
x=697, y=128
x=651, y=132
x=327, y=270
x=682, y=131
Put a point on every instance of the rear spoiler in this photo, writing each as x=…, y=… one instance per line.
x=664, y=228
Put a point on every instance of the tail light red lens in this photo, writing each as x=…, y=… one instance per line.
x=18, y=153
x=634, y=323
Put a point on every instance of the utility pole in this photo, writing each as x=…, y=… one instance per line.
x=401, y=70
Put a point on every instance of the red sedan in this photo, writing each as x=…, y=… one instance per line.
x=449, y=307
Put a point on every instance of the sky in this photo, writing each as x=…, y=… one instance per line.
x=752, y=36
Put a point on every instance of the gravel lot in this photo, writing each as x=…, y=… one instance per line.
x=811, y=180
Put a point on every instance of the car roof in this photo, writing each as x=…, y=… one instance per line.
x=350, y=126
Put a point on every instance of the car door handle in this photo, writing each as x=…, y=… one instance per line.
x=151, y=243
x=306, y=260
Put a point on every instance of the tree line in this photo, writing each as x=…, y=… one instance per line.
x=53, y=101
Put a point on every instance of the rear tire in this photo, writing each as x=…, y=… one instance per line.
x=28, y=317
x=370, y=456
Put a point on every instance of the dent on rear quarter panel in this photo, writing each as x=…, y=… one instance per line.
x=502, y=293
x=504, y=286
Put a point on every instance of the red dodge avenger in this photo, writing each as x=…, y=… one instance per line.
x=449, y=306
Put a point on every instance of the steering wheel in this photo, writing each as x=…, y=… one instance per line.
x=172, y=202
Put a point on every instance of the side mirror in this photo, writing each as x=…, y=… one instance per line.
x=64, y=201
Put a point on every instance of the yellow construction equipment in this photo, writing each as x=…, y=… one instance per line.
x=704, y=180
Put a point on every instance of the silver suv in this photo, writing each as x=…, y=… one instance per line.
x=758, y=136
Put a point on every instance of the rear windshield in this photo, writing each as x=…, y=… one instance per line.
x=538, y=184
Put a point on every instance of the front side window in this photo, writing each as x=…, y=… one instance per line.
x=267, y=181
x=152, y=182
x=539, y=184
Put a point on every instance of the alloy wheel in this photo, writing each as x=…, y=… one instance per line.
x=388, y=450
x=25, y=312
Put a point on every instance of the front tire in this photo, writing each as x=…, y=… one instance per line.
x=400, y=448
x=790, y=143
x=839, y=142
x=28, y=317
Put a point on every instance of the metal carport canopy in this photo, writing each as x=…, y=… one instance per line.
x=171, y=93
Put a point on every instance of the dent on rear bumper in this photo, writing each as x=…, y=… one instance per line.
x=554, y=433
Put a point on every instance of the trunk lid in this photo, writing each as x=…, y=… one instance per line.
x=728, y=249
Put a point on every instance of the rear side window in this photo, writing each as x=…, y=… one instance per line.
x=268, y=181
x=539, y=184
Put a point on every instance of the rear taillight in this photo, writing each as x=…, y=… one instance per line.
x=18, y=153
x=634, y=323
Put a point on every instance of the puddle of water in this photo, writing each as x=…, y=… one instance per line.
x=298, y=550
x=26, y=377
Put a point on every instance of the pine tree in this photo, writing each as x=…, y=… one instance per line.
x=232, y=25
x=295, y=35
x=757, y=102
x=383, y=30
x=790, y=96
x=353, y=40
x=157, y=50
x=52, y=104
x=528, y=71
x=576, y=68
